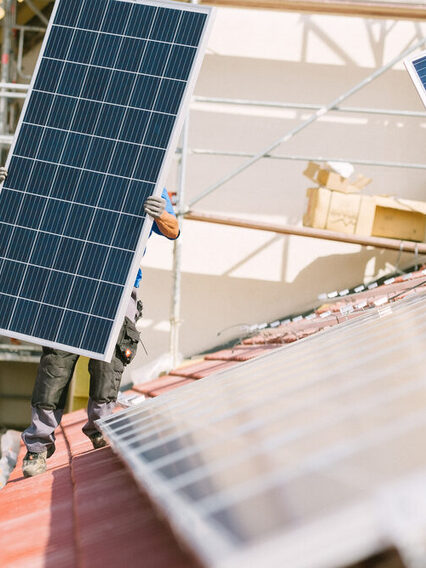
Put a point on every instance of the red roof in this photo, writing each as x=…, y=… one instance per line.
x=86, y=510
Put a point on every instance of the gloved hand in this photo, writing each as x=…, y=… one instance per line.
x=3, y=174
x=154, y=206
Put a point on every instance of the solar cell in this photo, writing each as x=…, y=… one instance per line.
x=98, y=126
x=294, y=458
x=416, y=66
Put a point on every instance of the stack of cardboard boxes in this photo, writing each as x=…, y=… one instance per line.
x=336, y=204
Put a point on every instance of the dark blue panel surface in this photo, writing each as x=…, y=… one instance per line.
x=58, y=289
x=35, y=282
x=96, y=335
x=159, y=130
x=92, y=16
x=141, y=22
x=108, y=297
x=42, y=177
x=180, y=62
x=82, y=46
x=96, y=83
x=62, y=112
x=145, y=92
x=103, y=226
x=6, y=308
x=106, y=50
x=110, y=121
x=65, y=183
x=69, y=254
x=72, y=79
x=76, y=149
x=149, y=164
x=82, y=293
x=24, y=315
x=49, y=75
x=11, y=274
x=114, y=193
x=30, y=211
x=116, y=17
x=45, y=249
x=47, y=322
x=78, y=222
x=93, y=261
x=130, y=54
x=58, y=43
x=10, y=202
x=55, y=216
x=420, y=67
x=166, y=23
x=86, y=117
x=190, y=28
x=39, y=108
x=120, y=88
x=52, y=145
x=124, y=154
x=20, y=244
x=89, y=151
x=136, y=196
x=89, y=187
x=68, y=12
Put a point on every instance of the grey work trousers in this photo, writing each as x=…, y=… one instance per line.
x=53, y=379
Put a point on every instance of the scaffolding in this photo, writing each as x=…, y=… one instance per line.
x=12, y=91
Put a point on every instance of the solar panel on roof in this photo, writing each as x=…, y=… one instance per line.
x=416, y=66
x=98, y=127
x=310, y=456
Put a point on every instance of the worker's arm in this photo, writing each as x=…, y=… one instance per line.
x=166, y=222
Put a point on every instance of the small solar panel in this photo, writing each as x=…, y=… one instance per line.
x=416, y=66
x=310, y=456
x=97, y=130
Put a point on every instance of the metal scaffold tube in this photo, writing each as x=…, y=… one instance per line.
x=314, y=117
x=5, y=63
x=175, y=321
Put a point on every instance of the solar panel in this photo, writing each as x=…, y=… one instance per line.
x=310, y=456
x=416, y=66
x=96, y=133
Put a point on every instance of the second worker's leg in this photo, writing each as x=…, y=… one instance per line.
x=48, y=403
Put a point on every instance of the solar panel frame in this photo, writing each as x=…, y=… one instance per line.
x=200, y=47
x=383, y=349
x=416, y=67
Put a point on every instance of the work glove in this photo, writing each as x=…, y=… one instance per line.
x=154, y=206
x=3, y=174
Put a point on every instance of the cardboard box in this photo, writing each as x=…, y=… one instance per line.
x=332, y=180
x=365, y=215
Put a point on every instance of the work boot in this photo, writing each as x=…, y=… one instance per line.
x=98, y=440
x=34, y=464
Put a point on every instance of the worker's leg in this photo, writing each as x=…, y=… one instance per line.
x=49, y=397
x=105, y=378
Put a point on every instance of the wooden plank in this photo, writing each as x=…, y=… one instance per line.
x=390, y=244
x=393, y=10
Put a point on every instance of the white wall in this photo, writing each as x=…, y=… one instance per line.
x=232, y=275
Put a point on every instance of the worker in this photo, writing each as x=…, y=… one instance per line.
x=56, y=367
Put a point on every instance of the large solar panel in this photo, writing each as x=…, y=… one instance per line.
x=98, y=127
x=311, y=456
x=416, y=66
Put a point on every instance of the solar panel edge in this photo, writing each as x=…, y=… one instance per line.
x=420, y=86
x=106, y=354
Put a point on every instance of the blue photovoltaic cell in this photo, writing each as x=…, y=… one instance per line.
x=420, y=67
x=91, y=143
